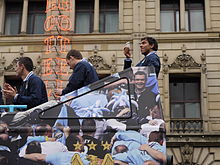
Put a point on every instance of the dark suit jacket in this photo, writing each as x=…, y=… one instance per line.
x=83, y=74
x=32, y=93
x=150, y=60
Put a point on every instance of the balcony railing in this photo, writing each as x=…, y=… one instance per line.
x=186, y=126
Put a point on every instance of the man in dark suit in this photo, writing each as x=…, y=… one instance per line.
x=33, y=90
x=148, y=47
x=83, y=73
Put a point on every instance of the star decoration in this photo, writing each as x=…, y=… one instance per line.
x=93, y=159
x=77, y=146
x=92, y=146
x=106, y=146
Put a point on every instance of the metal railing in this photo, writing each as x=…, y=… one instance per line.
x=13, y=107
x=186, y=126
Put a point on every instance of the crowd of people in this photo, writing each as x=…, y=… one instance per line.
x=43, y=144
x=60, y=142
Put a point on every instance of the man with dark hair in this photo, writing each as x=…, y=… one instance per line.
x=33, y=147
x=33, y=90
x=83, y=72
x=148, y=47
x=146, y=99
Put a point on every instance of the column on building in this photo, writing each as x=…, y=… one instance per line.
x=207, y=16
x=2, y=16
x=73, y=15
x=121, y=15
x=182, y=15
x=24, y=17
x=96, y=17
x=157, y=15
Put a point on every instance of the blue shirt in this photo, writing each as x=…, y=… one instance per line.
x=64, y=158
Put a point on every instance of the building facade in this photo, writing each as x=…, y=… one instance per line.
x=188, y=33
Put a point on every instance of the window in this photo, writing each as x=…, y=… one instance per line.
x=109, y=19
x=36, y=17
x=13, y=17
x=84, y=16
x=169, y=15
x=185, y=96
x=194, y=15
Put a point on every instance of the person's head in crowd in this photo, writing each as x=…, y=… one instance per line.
x=156, y=136
x=3, y=160
x=24, y=66
x=74, y=126
x=73, y=57
x=88, y=127
x=4, y=136
x=33, y=147
x=121, y=149
x=113, y=90
x=27, y=130
x=43, y=130
x=148, y=44
x=140, y=79
x=75, y=143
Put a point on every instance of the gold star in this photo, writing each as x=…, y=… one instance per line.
x=77, y=146
x=106, y=146
x=92, y=146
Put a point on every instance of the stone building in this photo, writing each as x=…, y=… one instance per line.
x=188, y=32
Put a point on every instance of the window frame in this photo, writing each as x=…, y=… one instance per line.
x=30, y=12
x=90, y=11
x=189, y=8
x=184, y=78
x=175, y=10
x=19, y=12
x=105, y=9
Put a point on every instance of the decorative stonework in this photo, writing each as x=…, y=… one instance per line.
x=21, y=51
x=114, y=66
x=98, y=61
x=187, y=153
x=184, y=61
x=12, y=66
x=204, y=67
x=194, y=153
x=37, y=68
x=165, y=65
x=138, y=35
x=2, y=63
